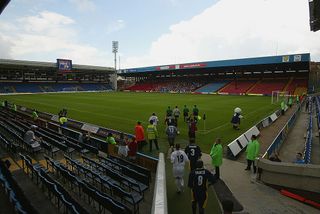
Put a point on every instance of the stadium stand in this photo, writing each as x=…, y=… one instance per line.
x=237, y=87
x=211, y=87
x=308, y=142
x=51, y=87
x=62, y=198
x=167, y=85
x=297, y=86
x=116, y=185
x=267, y=86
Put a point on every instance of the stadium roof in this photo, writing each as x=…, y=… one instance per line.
x=3, y=4
x=21, y=64
x=282, y=62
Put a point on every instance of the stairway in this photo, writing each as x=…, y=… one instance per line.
x=287, y=85
x=252, y=87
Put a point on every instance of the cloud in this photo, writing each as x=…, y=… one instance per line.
x=116, y=26
x=47, y=36
x=5, y=47
x=84, y=5
x=235, y=29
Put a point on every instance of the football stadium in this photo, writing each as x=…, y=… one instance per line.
x=220, y=136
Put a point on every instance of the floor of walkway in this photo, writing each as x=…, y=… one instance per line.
x=295, y=141
x=268, y=134
x=315, y=152
x=256, y=197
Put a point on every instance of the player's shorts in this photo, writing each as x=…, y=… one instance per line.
x=200, y=198
x=178, y=172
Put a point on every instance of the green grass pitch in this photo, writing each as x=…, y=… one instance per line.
x=121, y=110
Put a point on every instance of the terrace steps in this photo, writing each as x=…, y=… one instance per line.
x=288, y=84
x=254, y=85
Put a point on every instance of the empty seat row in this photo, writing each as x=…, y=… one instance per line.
x=113, y=183
x=104, y=201
x=16, y=197
x=62, y=198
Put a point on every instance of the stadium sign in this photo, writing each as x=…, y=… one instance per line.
x=193, y=65
x=165, y=67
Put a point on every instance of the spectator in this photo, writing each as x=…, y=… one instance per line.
x=122, y=146
x=152, y=135
x=35, y=115
x=110, y=139
x=216, y=156
x=178, y=159
x=132, y=145
x=185, y=113
x=193, y=152
x=227, y=206
x=154, y=118
x=171, y=132
x=139, y=135
x=198, y=183
x=299, y=159
x=63, y=121
x=253, y=149
x=14, y=107
x=31, y=139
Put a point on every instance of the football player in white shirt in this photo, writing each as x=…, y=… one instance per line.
x=178, y=159
x=154, y=118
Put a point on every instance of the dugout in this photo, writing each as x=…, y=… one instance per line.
x=270, y=67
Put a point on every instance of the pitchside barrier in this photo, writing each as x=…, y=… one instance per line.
x=277, y=142
x=239, y=144
x=159, y=205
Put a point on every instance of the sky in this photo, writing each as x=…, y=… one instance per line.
x=155, y=32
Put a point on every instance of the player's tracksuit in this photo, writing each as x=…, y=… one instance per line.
x=198, y=182
x=194, y=153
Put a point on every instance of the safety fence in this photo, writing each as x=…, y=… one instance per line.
x=283, y=133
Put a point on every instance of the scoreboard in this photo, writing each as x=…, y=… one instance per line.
x=64, y=64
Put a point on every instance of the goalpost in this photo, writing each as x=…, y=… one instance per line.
x=279, y=96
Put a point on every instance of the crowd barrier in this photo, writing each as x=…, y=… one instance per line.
x=277, y=142
x=235, y=147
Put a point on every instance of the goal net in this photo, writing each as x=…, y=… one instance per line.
x=278, y=96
